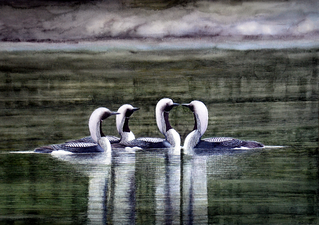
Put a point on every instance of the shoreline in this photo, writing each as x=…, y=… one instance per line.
x=161, y=44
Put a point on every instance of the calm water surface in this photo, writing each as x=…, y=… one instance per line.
x=268, y=96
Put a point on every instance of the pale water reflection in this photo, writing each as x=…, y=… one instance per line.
x=177, y=190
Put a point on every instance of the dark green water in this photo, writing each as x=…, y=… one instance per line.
x=268, y=96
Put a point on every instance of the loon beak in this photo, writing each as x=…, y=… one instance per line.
x=114, y=113
x=135, y=109
x=175, y=104
x=191, y=107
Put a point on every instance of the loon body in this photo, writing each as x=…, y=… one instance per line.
x=97, y=142
x=193, y=139
x=172, y=138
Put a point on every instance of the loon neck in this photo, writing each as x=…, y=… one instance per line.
x=195, y=124
x=125, y=133
x=101, y=132
x=96, y=130
x=167, y=124
x=199, y=124
x=173, y=138
x=126, y=137
x=166, y=129
x=105, y=144
x=191, y=140
x=125, y=125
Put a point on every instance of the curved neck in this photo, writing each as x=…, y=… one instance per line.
x=171, y=135
x=195, y=124
x=95, y=127
x=167, y=124
x=198, y=125
x=125, y=125
x=191, y=140
x=122, y=124
x=162, y=121
x=173, y=138
x=105, y=144
x=101, y=132
x=126, y=137
x=124, y=131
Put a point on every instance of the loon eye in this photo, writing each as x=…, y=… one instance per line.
x=105, y=115
x=168, y=107
x=128, y=113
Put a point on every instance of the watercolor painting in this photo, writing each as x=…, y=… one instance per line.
x=183, y=112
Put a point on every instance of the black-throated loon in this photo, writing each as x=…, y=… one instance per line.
x=172, y=138
x=193, y=139
x=122, y=123
x=97, y=142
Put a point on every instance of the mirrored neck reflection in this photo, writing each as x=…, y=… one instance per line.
x=194, y=190
x=125, y=187
x=122, y=189
x=111, y=190
x=167, y=190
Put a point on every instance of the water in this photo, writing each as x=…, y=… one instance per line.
x=270, y=96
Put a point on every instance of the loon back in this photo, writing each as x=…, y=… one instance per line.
x=76, y=146
x=227, y=143
x=149, y=142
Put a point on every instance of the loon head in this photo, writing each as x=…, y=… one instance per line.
x=200, y=112
x=95, y=122
x=162, y=110
x=122, y=119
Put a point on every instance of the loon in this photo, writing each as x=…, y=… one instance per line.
x=172, y=138
x=122, y=119
x=193, y=139
x=97, y=142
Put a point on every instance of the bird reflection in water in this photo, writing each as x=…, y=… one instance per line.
x=118, y=192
